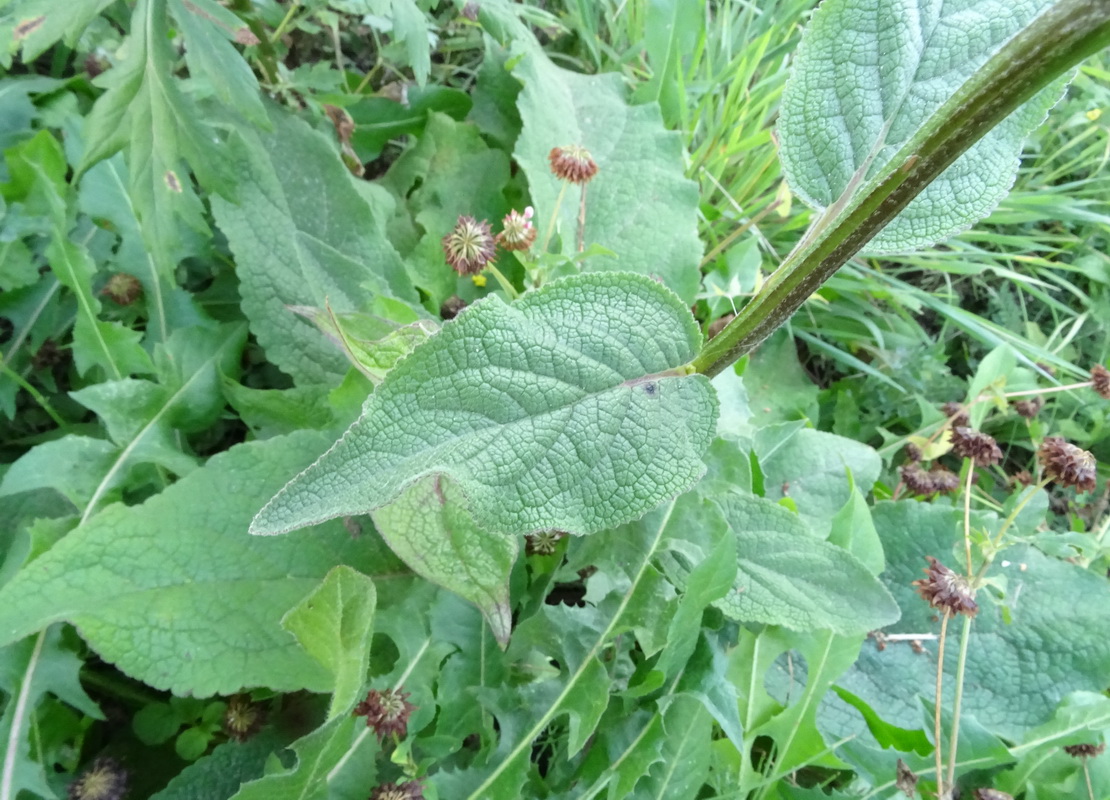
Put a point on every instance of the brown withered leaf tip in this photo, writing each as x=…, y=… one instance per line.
x=387, y=713
x=105, y=779
x=956, y=414
x=572, y=163
x=991, y=794
x=1100, y=381
x=470, y=246
x=1084, y=750
x=341, y=121
x=1030, y=407
x=1067, y=464
x=409, y=790
x=936, y=480
x=944, y=589
x=450, y=308
x=905, y=779
x=245, y=36
x=243, y=719
x=979, y=447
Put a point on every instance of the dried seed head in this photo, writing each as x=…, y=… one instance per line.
x=122, y=288
x=944, y=589
x=518, y=231
x=243, y=719
x=106, y=779
x=1084, y=750
x=1067, y=464
x=409, y=790
x=1023, y=477
x=991, y=794
x=572, y=163
x=1029, y=408
x=957, y=416
x=542, y=543
x=905, y=779
x=451, y=307
x=936, y=480
x=387, y=713
x=1100, y=380
x=980, y=448
x=913, y=452
x=470, y=246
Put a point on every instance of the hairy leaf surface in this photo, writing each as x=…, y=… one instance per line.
x=868, y=75
x=174, y=593
x=558, y=411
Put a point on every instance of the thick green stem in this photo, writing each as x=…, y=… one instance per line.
x=1056, y=41
x=954, y=739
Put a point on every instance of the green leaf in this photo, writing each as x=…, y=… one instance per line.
x=145, y=112
x=557, y=411
x=220, y=774
x=1028, y=649
x=684, y=766
x=28, y=670
x=175, y=594
x=38, y=170
x=302, y=234
x=671, y=29
x=429, y=529
x=867, y=76
x=271, y=412
x=73, y=465
x=811, y=468
x=779, y=390
x=640, y=205
x=208, y=27
x=48, y=22
x=410, y=26
x=789, y=577
x=318, y=754
x=334, y=624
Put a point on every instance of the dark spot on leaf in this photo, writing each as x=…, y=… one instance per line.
x=27, y=27
x=173, y=182
x=650, y=388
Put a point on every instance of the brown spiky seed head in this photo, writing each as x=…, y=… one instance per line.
x=572, y=163
x=1029, y=408
x=1100, y=381
x=1067, y=464
x=122, y=288
x=409, y=790
x=944, y=589
x=913, y=452
x=1022, y=477
x=956, y=414
x=387, y=713
x=450, y=308
x=518, y=231
x=980, y=448
x=243, y=719
x=936, y=480
x=542, y=543
x=470, y=246
x=1084, y=750
x=991, y=794
x=106, y=779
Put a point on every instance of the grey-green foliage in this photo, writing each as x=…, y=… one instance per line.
x=868, y=75
x=302, y=233
x=560, y=410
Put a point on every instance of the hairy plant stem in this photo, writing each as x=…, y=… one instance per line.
x=938, y=726
x=1057, y=40
x=954, y=739
x=506, y=286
